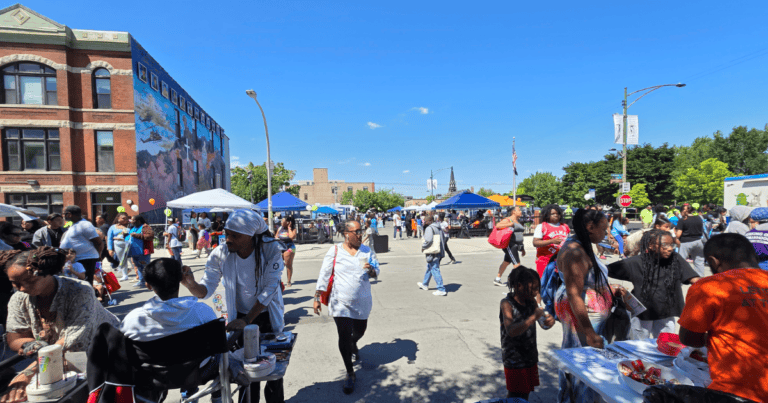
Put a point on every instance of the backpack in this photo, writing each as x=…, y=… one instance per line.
x=550, y=283
x=182, y=237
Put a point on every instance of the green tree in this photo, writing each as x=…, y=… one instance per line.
x=703, y=185
x=486, y=192
x=281, y=178
x=430, y=199
x=692, y=156
x=544, y=187
x=743, y=150
x=638, y=194
x=346, y=197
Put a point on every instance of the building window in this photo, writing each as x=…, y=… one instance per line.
x=154, y=82
x=102, y=89
x=105, y=152
x=29, y=83
x=365, y=188
x=222, y=145
x=106, y=203
x=194, y=127
x=197, y=172
x=31, y=149
x=190, y=111
x=174, y=97
x=142, y=72
x=40, y=203
x=164, y=90
x=178, y=122
x=179, y=176
x=306, y=197
x=182, y=103
x=349, y=188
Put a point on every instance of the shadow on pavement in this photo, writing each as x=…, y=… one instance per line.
x=452, y=287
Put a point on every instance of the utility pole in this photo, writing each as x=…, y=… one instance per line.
x=431, y=181
x=514, y=177
x=624, y=145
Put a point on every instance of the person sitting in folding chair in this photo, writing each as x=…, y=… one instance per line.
x=251, y=264
x=166, y=314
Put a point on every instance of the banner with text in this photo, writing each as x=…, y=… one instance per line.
x=633, y=136
x=618, y=128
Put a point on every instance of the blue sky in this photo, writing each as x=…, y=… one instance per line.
x=449, y=83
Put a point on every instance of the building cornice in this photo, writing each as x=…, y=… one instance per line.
x=25, y=57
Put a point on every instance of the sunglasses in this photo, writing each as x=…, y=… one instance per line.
x=357, y=232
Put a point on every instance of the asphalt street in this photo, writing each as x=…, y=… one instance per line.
x=418, y=347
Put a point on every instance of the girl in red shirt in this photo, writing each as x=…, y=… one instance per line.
x=549, y=235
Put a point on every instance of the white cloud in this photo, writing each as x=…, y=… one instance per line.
x=422, y=110
x=234, y=162
x=374, y=125
x=367, y=164
x=406, y=171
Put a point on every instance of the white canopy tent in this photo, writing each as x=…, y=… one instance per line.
x=411, y=208
x=431, y=206
x=7, y=210
x=214, y=198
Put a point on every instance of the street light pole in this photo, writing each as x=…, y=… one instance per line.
x=252, y=94
x=250, y=184
x=626, y=106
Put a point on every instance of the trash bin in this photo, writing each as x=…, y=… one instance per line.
x=380, y=243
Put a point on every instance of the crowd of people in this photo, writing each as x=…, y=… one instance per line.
x=54, y=268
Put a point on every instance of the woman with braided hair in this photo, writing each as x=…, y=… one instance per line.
x=47, y=309
x=657, y=275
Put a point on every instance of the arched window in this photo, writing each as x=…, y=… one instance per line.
x=29, y=83
x=102, y=89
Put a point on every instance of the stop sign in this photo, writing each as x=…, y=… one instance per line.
x=625, y=201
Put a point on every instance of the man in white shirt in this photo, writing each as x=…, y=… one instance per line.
x=398, y=223
x=172, y=238
x=251, y=264
x=83, y=238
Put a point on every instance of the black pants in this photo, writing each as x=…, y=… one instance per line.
x=448, y=251
x=350, y=332
x=90, y=267
x=273, y=391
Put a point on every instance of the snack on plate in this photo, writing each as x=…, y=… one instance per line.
x=650, y=376
x=699, y=356
x=638, y=365
x=625, y=370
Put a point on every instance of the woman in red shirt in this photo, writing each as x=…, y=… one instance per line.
x=549, y=235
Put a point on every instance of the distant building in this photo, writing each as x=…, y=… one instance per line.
x=324, y=191
x=90, y=118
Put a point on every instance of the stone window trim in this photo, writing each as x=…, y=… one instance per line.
x=50, y=144
x=102, y=100
x=14, y=81
x=89, y=69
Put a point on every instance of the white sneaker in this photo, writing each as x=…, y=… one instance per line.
x=422, y=286
x=124, y=278
x=440, y=293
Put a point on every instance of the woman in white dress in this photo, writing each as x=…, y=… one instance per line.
x=352, y=265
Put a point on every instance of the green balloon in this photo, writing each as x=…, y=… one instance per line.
x=168, y=212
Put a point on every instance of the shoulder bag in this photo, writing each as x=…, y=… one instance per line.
x=434, y=248
x=500, y=238
x=325, y=296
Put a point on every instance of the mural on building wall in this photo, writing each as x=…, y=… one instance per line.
x=158, y=148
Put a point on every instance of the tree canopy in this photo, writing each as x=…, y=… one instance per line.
x=281, y=178
x=381, y=200
x=703, y=185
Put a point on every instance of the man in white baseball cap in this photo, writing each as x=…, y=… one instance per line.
x=251, y=264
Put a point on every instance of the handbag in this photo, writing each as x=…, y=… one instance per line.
x=434, y=249
x=500, y=238
x=618, y=325
x=110, y=281
x=325, y=296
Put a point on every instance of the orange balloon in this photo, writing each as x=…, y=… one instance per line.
x=152, y=201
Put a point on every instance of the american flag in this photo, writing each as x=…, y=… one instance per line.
x=514, y=160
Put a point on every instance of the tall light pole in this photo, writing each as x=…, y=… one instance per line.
x=252, y=94
x=432, y=179
x=624, y=104
x=250, y=184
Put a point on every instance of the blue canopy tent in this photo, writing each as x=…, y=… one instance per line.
x=467, y=201
x=392, y=210
x=326, y=210
x=283, y=201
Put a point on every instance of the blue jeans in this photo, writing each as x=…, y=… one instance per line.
x=141, y=261
x=620, y=240
x=433, y=270
x=176, y=253
x=397, y=228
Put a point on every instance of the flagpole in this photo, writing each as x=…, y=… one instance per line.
x=514, y=177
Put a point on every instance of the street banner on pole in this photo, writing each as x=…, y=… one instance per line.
x=633, y=136
x=618, y=128
x=592, y=193
x=431, y=184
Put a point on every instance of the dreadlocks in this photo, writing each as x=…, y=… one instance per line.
x=44, y=261
x=656, y=271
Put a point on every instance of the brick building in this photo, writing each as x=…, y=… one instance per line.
x=324, y=191
x=90, y=118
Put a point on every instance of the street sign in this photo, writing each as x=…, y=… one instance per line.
x=625, y=187
x=591, y=193
x=624, y=200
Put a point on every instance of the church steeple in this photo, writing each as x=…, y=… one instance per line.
x=452, y=184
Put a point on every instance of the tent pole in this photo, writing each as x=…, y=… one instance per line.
x=514, y=177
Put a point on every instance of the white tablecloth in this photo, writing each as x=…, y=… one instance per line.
x=597, y=369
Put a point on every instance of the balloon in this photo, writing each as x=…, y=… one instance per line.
x=121, y=209
x=309, y=208
x=135, y=207
x=314, y=208
x=129, y=201
x=168, y=212
x=152, y=201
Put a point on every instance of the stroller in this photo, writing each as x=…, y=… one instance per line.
x=110, y=283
